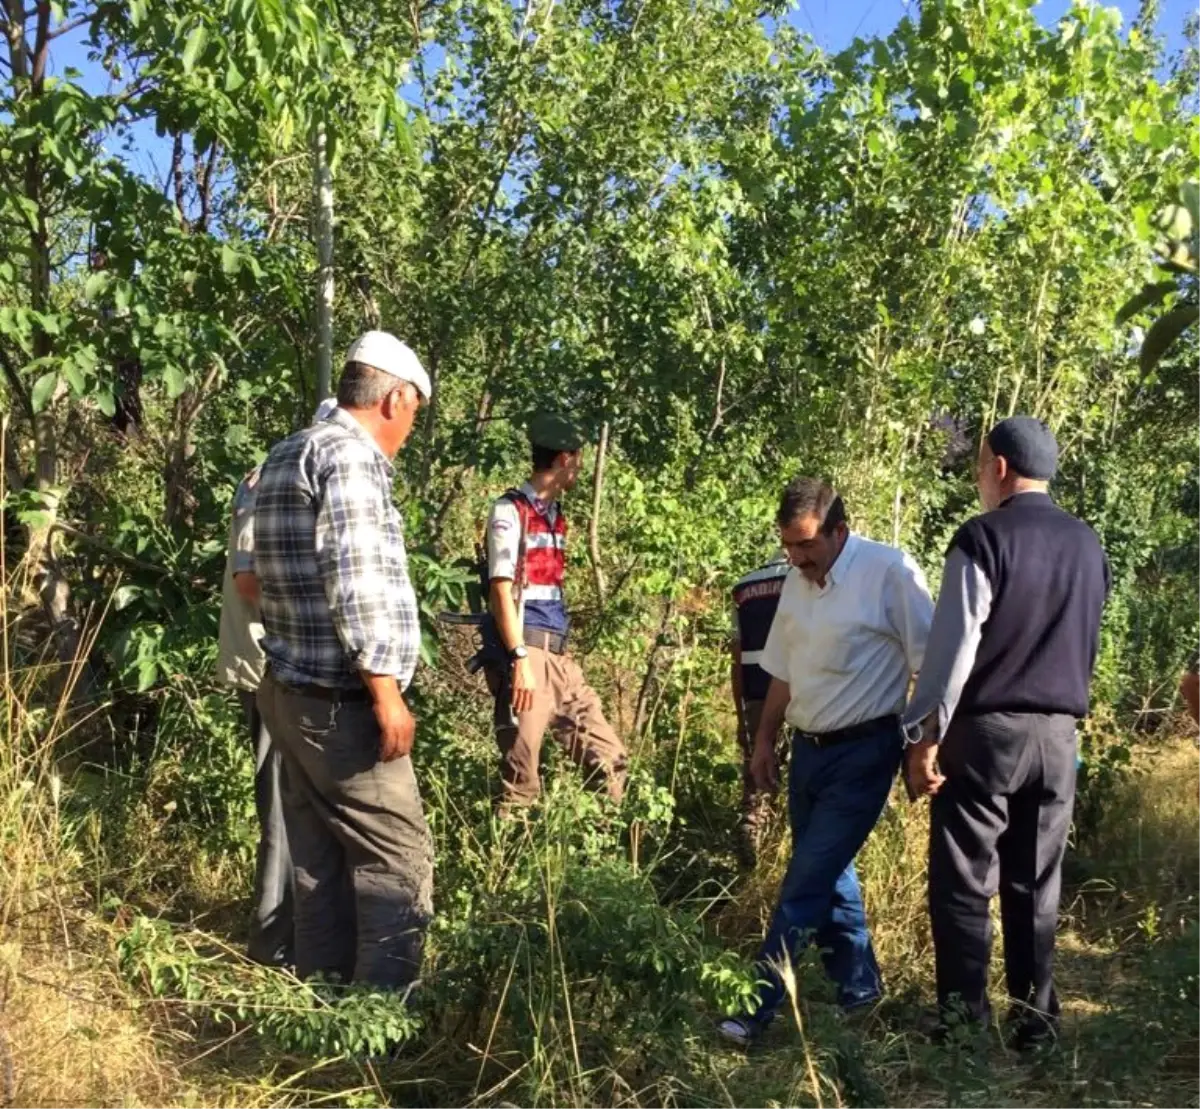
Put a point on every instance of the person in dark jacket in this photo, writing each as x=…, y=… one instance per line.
x=991, y=727
x=755, y=599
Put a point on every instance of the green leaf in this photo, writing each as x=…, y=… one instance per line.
x=1150, y=294
x=1161, y=337
x=196, y=42
x=106, y=403
x=874, y=144
x=176, y=381
x=233, y=78
x=95, y=285
x=74, y=375
x=43, y=390
x=147, y=674
x=231, y=260
x=1189, y=196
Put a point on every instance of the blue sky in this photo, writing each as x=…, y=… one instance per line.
x=833, y=24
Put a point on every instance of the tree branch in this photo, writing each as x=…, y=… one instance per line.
x=205, y=177
x=68, y=27
x=112, y=552
x=11, y=19
x=17, y=385
x=177, y=178
x=41, y=47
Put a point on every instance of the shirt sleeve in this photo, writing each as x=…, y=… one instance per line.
x=909, y=609
x=775, y=654
x=243, y=524
x=503, y=540
x=964, y=604
x=365, y=576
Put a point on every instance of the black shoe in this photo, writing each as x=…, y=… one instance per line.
x=952, y=1029
x=1032, y=1033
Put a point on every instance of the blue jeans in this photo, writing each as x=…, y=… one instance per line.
x=835, y=796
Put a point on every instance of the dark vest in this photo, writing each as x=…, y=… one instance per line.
x=1049, y=579
x=755, y=599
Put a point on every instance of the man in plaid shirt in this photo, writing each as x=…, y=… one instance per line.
x=341, y=639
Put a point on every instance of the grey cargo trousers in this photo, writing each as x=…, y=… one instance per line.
x=271, y=927
x=361, y=850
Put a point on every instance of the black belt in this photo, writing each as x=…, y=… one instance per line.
x=847, y=734
x=545, y=640
x=335, y=694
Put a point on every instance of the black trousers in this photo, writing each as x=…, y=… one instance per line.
x=1000, y=824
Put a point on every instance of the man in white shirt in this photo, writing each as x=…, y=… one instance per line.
x=847, y=637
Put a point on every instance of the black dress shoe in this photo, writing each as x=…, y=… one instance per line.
x=1032, y=1033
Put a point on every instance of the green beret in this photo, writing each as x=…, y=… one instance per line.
x=555, y=432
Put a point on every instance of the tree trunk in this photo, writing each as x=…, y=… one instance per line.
x=594, y=523
x=52, y=587
x=180, y=505
x=323, y=200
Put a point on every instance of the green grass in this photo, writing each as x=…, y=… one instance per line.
x=561, y=979
x=580, y=958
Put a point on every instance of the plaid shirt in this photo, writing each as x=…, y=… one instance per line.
x=330, y=559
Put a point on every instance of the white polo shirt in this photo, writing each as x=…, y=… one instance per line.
x=847, y=650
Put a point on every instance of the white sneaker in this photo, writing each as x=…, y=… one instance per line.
x=735, y=1031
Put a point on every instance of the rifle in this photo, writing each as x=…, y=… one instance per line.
x=479, y=617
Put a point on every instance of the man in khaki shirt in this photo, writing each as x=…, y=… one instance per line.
x=240, y=664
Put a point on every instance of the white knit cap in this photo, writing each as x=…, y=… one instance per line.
x=385, y=352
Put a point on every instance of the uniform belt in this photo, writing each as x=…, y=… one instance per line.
x=849, y=733
x=550, y=641
x=335, y=694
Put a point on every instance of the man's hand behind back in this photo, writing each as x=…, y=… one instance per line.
x=921, y=773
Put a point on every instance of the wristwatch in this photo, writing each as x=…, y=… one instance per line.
x=518, y=652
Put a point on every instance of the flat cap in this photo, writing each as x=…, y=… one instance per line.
x=554, y=432
x=1028, y=445
x=385, y=352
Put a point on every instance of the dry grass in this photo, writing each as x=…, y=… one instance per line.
x=78, y=1035
x=77, y=1038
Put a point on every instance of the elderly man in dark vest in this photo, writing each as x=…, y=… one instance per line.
x=991, y=728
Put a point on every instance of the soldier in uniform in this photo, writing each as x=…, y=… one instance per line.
x=535, y=681
x=755, y=599
x=1189, y=687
